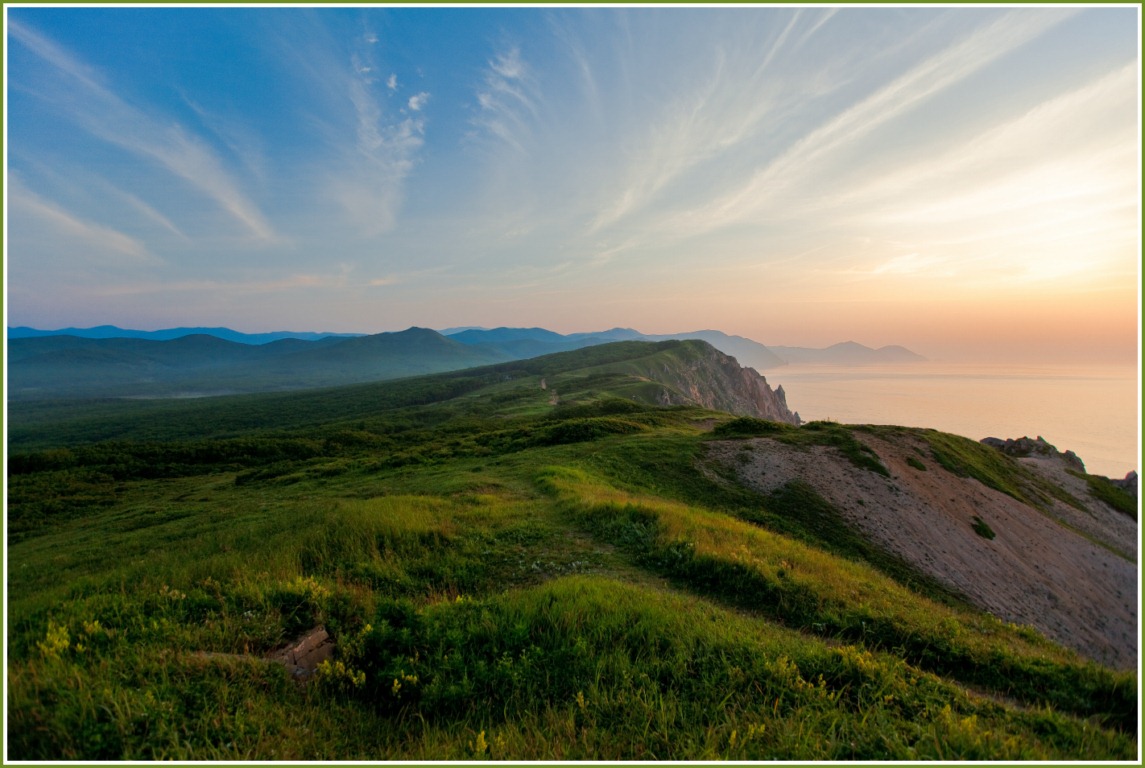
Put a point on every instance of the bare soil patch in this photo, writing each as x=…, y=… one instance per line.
x=1035, y=571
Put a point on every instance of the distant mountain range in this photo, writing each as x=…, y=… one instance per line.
x=520, y=343
x=203, y=364
x=528, y=342
x=167, y=334
x=114, y=362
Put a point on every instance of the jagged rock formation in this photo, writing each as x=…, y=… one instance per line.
x=1024, y=447
x=704, y=376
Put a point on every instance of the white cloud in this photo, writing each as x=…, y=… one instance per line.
x=508, y=65
x=418, y=102
x=243, y=143
x=215, y=288
x=507, y=99
x=364, y=147
x=98, y=241
x=82, y=96
x=1072, y=131
x=1048, y=193
x=729, y=91
x=909, y=264
x=808, y=155
x=150, y=213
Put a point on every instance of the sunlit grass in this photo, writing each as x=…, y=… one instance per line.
x=809, y=589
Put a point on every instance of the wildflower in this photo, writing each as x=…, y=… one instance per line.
x=338, y=673
x=56, y=642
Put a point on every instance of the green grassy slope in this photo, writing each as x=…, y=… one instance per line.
x=504, y=578
x=591, y=374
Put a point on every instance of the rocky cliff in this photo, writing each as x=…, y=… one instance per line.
x=695, y=372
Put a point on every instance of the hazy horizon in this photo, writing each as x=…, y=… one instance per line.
x=971, y=356
x=964, y=182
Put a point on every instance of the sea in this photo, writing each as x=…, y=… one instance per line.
x=1093, y=411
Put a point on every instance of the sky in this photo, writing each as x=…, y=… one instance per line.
x=962, y=181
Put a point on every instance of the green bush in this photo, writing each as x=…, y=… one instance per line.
x=749, y=426
x=982, y=529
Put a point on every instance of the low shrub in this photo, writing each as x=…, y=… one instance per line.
x=748, y=426
x=982, y=529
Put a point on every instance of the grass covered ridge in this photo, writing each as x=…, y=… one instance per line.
x=504, y=579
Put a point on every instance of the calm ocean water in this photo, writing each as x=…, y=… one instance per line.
x=1093, y=411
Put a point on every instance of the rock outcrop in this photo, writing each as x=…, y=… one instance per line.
x=302, y=657
x=707, y=377
x=1024, y=447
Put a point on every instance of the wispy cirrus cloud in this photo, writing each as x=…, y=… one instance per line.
x=1031, y=192
x=371, y=149
x=1076, y=141
x=507, y=99
x=245, y=146
x=711, y=119
x=98, y=240
x=809, y=155
x=151, y=214
x=913, y=264
x=82, y=95
x=229, y=289
x=617, y=120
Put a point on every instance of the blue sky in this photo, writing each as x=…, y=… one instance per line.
x=959, y=180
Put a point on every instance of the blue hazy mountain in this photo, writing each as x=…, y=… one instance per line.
x=202, y=364
x=167, y=334
x=529, y=342
x=107, y=361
